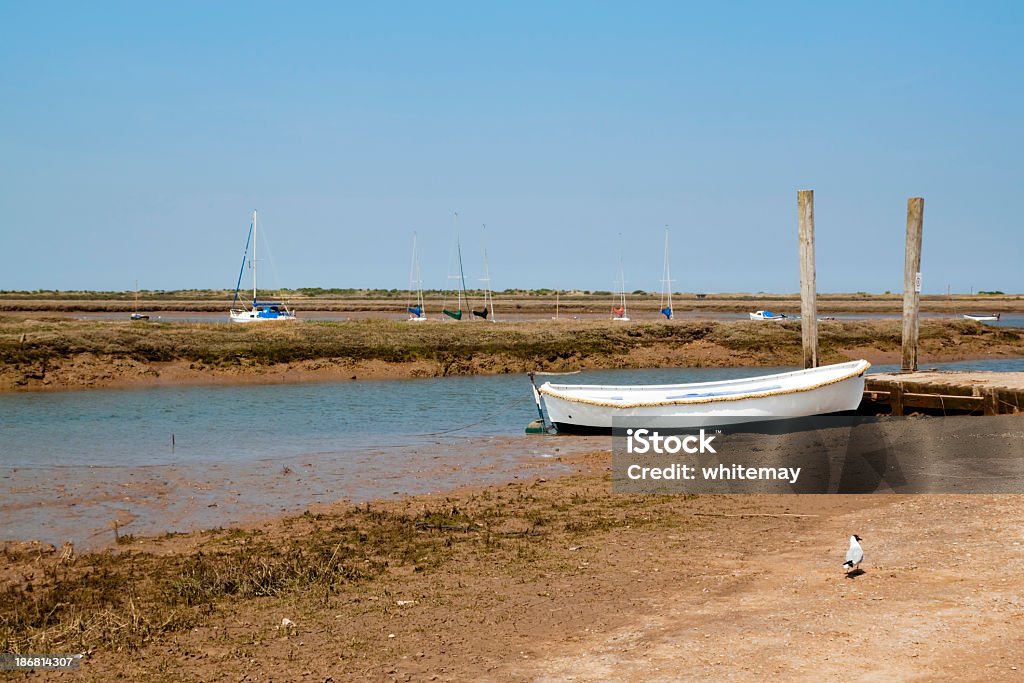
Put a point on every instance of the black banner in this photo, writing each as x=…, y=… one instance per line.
x=966, y=454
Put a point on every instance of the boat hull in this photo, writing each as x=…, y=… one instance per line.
x=819, y=391
x=766, y=315
x=243, y=316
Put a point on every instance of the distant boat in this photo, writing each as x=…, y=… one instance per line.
x=983, y=318
x=767, y=315
x=619, y=312
x=488, y=308
x=666, y=284
x=417, y=311
x=461, y=277
x=135, y=309
x=817, y=391
x=261, y=311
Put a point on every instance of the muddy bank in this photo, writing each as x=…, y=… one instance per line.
x=67, y=354
x=96, y=506
x=545, y=579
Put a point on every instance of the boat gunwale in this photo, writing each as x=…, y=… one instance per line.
x=861, y=367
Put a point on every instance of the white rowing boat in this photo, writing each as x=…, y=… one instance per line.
x=818, y=391
x=982, y=318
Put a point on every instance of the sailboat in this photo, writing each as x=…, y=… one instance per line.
x=461, y=277
x=620, y=314
x=666, y=284
x=488, y=307
x=417, y=312
x=135, y=309
x=261, y=311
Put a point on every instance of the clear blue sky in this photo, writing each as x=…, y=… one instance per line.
x=136, y=138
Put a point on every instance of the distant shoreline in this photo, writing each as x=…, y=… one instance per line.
x=528, y=303
x=60, y=354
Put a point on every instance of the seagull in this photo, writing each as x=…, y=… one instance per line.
x=855, y=555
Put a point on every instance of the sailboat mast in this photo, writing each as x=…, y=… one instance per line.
x=666, y=285
x=622, y=279
x=412, y=267
x=622, y=283
x=488, y=298
x=462, y=275
x=416, y=276
x=419, y=273
x=254, y=258
x=461, y=288
x=419, y=286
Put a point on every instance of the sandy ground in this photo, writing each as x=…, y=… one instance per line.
x=590, y=586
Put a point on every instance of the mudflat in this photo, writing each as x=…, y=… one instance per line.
x=546, y=578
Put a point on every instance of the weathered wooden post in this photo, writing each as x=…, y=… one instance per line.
x=808, y=287
x=912, y=283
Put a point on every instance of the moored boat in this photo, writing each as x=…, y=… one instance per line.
x=416, y=309
x=817, y=391
x=982, y=317
x=261, y=311
x=619, y=312
x=461, y=277
x=665, y=305
x=135, y=310
x=768, y=315
x=487, y=311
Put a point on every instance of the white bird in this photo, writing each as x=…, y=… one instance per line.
x=855, y=555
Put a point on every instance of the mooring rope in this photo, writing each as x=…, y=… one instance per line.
x=478, y=422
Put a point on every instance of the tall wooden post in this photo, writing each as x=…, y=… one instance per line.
x=912, y=283
x=808, y=287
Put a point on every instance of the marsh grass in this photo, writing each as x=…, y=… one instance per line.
x=125, y=598
x=455, y=349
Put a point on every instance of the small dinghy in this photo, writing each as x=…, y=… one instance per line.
x=767, y=315
x=982, y=318
x=818, y=391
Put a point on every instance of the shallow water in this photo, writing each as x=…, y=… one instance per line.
x=183, y=425
x=165, y=459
